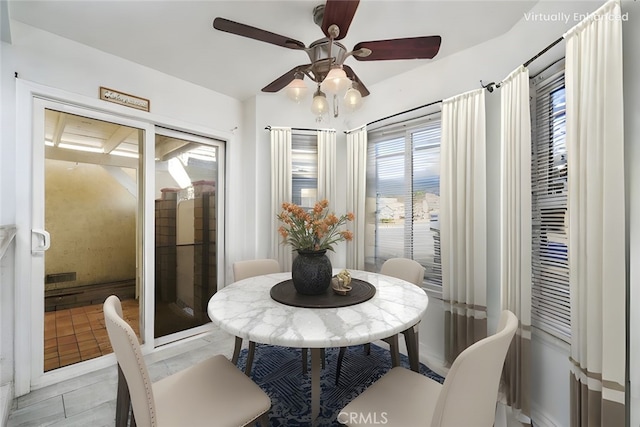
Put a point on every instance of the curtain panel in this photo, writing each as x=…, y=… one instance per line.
x=515, y=233
x=356, y=191
x=595, y=159
x=463, y=220
x=280, y=191
x=327, y=171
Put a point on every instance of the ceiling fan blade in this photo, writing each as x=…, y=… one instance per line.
x=282, y=81
x=361, y=87
x=340, y=13
x=409, y=48
x=236, y=28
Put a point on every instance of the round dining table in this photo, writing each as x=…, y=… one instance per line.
x=247, y=310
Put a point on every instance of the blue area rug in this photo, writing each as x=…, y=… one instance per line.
x=278, y=371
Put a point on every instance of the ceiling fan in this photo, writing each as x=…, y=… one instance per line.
x=334, y=18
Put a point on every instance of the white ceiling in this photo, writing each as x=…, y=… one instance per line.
x=177, y=37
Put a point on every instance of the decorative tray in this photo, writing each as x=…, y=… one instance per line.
x=285, y=293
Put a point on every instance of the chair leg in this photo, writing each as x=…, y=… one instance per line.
x=367, y=349
x=263, y=421
x=236, y=350
x=343, y=350
x=250, y=353
x=123, y=401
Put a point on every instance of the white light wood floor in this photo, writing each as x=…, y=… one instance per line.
x=89, y=400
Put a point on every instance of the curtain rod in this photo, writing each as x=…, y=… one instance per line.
x=302, y=129
x=402, y=122
x=494, y=85
x=542, y=52
x=405, y=112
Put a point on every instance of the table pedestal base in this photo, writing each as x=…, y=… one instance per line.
x=316, y=365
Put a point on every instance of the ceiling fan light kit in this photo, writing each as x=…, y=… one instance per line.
x=319, y=105
x=336, y=81
x=297, y=89
x=352, y=98
x=327, y=69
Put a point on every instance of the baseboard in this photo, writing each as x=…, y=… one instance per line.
x=433, y=361
x=540, y=419
x=6, y=402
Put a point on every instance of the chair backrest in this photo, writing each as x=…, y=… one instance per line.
x=254, y=267
x=127, y=349
x=470, y=390
x=405, y=269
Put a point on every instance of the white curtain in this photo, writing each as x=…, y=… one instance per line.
x=280, y=191
x=515, y=233
x=356, y=190
x=595, y=161
x=327, y=171
x=463, y=222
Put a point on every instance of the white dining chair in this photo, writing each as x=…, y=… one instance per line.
x=413, y=272
x=212, y=392
x=244, y=270
x=467, y=397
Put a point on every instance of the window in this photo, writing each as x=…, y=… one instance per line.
x=304, y=169
x=403, y=195
x=550, y=299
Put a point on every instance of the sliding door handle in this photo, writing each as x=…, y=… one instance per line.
x=40, y=241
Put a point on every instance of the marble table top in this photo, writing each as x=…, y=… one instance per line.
x=246, y=310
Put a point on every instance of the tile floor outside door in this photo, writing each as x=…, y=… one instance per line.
x=78, y=334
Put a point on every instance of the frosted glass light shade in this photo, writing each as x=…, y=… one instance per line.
x=297, y=90
x=336, y=81
x=352, y=99
x=319, y=105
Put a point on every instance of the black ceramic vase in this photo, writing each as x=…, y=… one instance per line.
x=311, y=272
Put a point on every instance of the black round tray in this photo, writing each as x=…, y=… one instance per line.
x=285, y=293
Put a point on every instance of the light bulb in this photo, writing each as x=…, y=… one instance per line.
x=336, y=81
x=352, y=99
x=319, y=105
x=297, y=89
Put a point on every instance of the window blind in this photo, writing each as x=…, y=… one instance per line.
x=550, y=300
x=403, y=189
x=304, y=169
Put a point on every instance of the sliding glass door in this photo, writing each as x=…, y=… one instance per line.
x=189, y=173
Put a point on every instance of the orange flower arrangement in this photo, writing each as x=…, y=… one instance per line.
x=313, y=230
